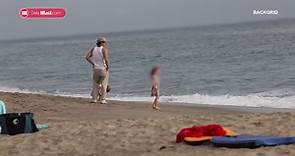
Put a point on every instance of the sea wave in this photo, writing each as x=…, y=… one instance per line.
x=273, y=99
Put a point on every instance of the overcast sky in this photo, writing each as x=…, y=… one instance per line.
x=93, y=16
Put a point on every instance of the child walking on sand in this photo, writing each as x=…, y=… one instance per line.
x=155, y=91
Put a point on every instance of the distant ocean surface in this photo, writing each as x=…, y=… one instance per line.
x=247, y=64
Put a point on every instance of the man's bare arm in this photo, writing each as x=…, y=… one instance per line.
x=88, y=56
x=105, y=53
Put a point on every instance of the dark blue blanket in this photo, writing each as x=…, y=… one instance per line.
x=251, y=141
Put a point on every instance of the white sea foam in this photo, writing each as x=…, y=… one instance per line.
x=56, y=93
x=18, y=90
x=273, y=99
x=253, y=100
x=282, y=98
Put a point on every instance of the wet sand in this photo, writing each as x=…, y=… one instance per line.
x=77, y=127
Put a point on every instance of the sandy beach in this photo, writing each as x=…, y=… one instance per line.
x=77, y=127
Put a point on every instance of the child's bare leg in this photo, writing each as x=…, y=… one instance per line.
x=156, y=103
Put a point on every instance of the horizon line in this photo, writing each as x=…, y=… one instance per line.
x=31, y=39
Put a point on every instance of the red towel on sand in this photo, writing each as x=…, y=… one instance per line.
x=200, y=131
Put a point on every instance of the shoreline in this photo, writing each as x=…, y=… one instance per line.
x=196, y=105
x=78, y=127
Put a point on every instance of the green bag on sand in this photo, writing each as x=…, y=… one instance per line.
x=2, y=108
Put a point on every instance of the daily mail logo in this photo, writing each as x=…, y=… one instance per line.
x=24, y=13
x=42, y=13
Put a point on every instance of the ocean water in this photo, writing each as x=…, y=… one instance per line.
x=247, y=64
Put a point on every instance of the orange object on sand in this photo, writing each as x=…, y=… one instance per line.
x=206, y=139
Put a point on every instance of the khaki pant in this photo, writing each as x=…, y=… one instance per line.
x=100, y=83
x=105, y=82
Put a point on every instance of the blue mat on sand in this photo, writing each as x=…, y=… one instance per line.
x=251, y=141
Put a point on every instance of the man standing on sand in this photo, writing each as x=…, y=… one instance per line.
x=98, y=57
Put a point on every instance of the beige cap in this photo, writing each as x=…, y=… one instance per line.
x=101, y=39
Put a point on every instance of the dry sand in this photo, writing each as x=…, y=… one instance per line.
x=78, y=127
